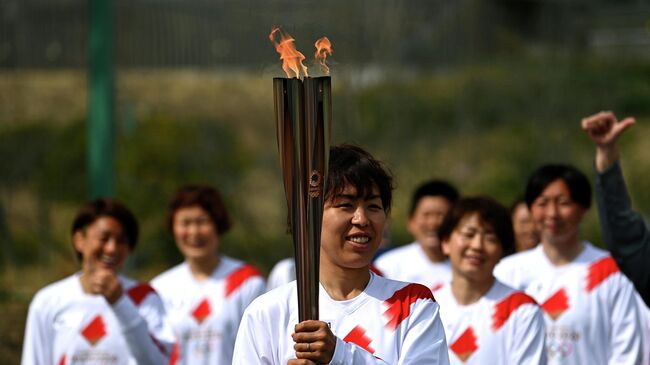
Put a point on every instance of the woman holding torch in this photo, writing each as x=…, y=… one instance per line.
x=364, y=318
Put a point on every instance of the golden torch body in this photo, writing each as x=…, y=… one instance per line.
x=303, y=110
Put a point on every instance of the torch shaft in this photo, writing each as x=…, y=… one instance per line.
x=303, y=119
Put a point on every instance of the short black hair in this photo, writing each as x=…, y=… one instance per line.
x=576, y=181
x=104, y=207
x=490, y=212
x=204, y=196
x=433, y=188
x=350, y=164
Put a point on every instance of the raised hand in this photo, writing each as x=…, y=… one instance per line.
x=604, y=129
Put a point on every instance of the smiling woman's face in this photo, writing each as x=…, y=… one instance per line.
x=195, y=234
x=473, y=248
x=102, y=245
x=352, y=229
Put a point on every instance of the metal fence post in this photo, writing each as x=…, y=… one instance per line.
x=100, y=147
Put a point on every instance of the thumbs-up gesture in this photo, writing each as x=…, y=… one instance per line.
x=604, y=129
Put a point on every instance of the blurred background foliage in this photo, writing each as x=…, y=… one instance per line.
x=476, y=92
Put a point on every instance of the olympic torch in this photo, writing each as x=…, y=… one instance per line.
x=303, y=113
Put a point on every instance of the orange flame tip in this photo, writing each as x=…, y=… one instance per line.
x=290, y=56
x=323, y=49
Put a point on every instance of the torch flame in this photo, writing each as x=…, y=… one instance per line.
x=290, y=56
x=323, y=48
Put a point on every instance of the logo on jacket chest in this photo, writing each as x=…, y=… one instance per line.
x=95, y=330
x=202, y=311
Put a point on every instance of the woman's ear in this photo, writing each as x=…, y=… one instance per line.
x=444, y=244
x=410, y=226
x=78, y=240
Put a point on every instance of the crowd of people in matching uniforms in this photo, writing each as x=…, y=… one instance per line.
x=480, y=284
